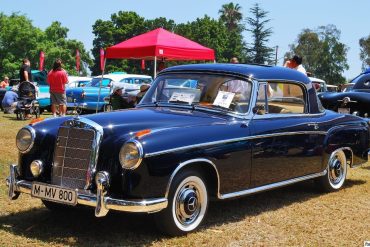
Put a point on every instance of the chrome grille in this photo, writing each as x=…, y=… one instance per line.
x=72, y=156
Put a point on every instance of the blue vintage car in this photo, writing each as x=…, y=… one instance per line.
x=235, y=130
x=87, y=98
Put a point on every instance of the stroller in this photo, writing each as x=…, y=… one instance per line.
x=27, y=103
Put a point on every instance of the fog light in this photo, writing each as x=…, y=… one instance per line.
x=36, y=168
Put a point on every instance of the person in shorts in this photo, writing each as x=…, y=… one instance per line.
x=57, y=79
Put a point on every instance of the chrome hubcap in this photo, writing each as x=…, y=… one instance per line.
x=337, y=169
x=188, y=204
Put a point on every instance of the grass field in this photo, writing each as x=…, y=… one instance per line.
x=292, y=216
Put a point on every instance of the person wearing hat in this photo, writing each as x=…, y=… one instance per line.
x=117, y=101
x=10, y=100
x=5, y=82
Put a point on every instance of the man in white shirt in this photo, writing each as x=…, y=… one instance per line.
x=296, y=63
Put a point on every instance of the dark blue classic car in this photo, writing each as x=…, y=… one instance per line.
x=211, y=131
x=355, y=100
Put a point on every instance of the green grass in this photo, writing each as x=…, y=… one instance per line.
x=291, y=216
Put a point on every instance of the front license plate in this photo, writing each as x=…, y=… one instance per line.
x=344, y=110
x=54, y=193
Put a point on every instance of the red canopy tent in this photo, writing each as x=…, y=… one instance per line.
x=160, y=44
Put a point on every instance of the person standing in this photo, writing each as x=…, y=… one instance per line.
x=25, y=71
x=5, y=82
x=296, y=63
x=57, y=79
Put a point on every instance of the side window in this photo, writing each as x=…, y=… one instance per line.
x=280, y=98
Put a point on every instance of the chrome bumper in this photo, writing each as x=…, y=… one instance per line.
x=100, y=201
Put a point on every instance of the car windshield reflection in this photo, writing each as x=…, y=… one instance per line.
x=214, y=92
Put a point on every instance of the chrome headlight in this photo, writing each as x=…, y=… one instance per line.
x=25, y=139
x=131, y=154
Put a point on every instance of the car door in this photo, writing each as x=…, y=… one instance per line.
x=286, y=141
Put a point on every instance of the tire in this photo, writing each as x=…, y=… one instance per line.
x=37, y=112
x=336, y=172
x=22, y=115
x=187, y=205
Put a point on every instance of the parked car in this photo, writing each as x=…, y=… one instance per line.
x=77, y=81
x=235, y=131
x=319, y=84
x=87, y=97
x=332, y=88
x=355, y=101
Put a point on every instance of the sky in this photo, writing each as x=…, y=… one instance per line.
x=288, y=17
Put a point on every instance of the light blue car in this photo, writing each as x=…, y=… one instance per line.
x=87, y=98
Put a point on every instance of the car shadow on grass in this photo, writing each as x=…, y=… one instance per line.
x=82, y=228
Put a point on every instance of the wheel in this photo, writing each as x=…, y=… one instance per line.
x=22, y=115
x=187, y=205
x=336, y=172
x=37, y=112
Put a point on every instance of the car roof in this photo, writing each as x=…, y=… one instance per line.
x=118, y=77
x=314, y=79
x=258, y=72
x=78, y=78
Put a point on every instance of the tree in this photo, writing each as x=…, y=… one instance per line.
x=365, y=51
x=231, y=15
x=20, y=39
x=259, y=52
x=122, y=26
x=323, y=55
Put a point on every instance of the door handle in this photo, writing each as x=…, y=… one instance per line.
x=315, y=125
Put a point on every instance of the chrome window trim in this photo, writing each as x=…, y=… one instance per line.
x=304, y=86
x=234, y=140
x=85, y=123
x=188, y=162
x=33, y=137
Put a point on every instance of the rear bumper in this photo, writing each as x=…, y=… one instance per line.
x=100, y=201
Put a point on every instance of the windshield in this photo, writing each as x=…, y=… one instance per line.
x=216, y=92
x=95, y=82
x=137, y=81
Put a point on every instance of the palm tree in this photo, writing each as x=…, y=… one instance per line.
x=230, y=14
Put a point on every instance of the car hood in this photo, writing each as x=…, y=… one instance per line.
x=157, y=118
x=123, y=122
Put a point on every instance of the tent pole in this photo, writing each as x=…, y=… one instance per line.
x=101, y=81
x=155, y=66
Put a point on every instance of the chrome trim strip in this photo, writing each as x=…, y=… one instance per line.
x=272, y=186
x=183, y=164
x=233, y=140
x=33, y=136
x=85, y=197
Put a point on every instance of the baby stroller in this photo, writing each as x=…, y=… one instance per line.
x=27, y=103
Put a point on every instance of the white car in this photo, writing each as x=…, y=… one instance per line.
x=77, y=81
